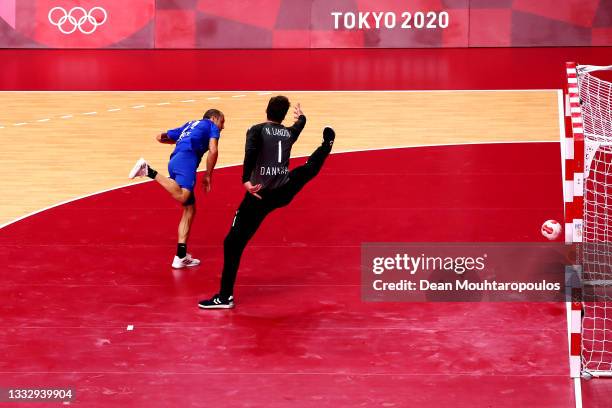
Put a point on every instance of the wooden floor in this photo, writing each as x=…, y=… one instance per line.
x=61, y=145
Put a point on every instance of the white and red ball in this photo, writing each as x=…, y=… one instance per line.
x=551, y=229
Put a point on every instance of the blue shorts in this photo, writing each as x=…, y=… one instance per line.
x=182, y=168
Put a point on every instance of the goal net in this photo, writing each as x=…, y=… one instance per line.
x=592, y=134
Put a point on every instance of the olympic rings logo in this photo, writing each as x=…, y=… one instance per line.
x=77, y=18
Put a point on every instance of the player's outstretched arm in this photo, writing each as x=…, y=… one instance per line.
x=211, y=161
x=163, y=138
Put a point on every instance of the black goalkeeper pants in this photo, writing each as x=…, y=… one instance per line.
x=253, y=210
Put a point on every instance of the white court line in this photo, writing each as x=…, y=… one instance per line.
x=66, y=116
x=90, y=113
x=114, y=110
x=20, y=124
x=138, y=107
x=43, y=120
x=6, y=224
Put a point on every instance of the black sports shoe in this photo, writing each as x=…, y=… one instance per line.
x=217, y=302
x=328, y=136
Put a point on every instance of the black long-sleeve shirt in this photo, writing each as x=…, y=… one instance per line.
x=267, y=153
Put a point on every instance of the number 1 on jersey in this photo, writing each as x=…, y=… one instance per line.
x=280, y=152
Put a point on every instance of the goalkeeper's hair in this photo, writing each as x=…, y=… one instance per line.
x=277, y=108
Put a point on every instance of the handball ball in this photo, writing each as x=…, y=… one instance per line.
x=551, y=229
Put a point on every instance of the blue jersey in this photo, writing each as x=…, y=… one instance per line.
x=194, y=137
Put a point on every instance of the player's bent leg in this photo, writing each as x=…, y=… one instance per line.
x=177, y=192
x=182, y=169
x=185, y=197
x=143, y=169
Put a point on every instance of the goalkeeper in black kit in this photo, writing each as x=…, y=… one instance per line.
x=269, y=185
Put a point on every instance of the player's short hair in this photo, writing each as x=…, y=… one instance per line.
x=213, y=113
x=277, y=108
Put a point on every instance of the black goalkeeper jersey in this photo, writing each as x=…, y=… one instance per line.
x=267, y=153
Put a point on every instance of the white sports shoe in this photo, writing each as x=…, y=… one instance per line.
x=179, y=263
x=140, y=169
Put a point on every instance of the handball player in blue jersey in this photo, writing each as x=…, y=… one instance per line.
x=192, y=140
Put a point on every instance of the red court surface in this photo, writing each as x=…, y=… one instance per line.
x=300, y=335
x=77, y=275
